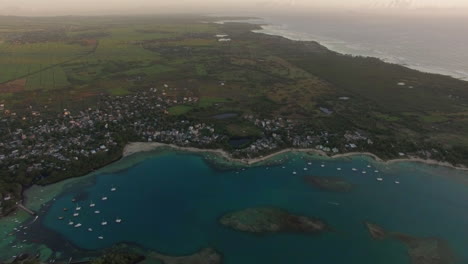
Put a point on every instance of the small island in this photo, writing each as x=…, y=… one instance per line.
x=272, y=220
x=330, y=184
x=421, y=250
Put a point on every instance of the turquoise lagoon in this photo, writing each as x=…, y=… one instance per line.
x=171, y=202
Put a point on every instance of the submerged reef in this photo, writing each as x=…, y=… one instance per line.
x=330, y=184
x=204, y=256
x=421, y=250
x=271, y=220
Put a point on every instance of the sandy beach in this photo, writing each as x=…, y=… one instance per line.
x=136, y=147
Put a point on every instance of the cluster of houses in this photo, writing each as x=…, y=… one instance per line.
x=280, y=133
x=52, y=143
x=34, y=143
x=43, y=143
x=184, y=133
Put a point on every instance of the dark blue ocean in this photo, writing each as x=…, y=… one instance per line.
x=170, y=202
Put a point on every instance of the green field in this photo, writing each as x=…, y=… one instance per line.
x=83, y=55
x=210, y=101
x=179, y=110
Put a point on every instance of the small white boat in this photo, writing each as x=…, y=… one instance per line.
x=97, y=212
x=283, y=167
x=309, y=163
x=368, y=166
x=90, y=229
x=364, y=172
x=354, y=169
x=78, y=208
x=100, y=237
x=70, y=223
x=104, y=198
x=380, y=179
x=118, y=220
x=92, y=204
x=76, y=214
x=113, y=189
x=338, y=169
x=78, y=225
x=104, y=223
x=323, y=165
x=305, y=169
x=397, y=182
x=294, y=172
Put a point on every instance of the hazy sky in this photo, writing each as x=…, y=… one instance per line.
x=63, y=7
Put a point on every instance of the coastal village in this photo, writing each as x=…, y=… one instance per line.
x=56, y=144
x=45, y=148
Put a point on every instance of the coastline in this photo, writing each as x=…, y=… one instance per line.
x=136, y=147
x=331, y=44
x=36, y=196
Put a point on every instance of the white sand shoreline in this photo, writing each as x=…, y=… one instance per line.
x=137, y=147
